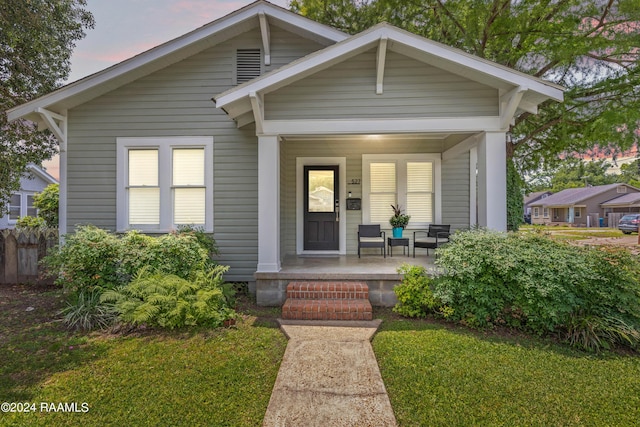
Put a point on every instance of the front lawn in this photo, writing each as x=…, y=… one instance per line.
x=219, y=377
x=435, y=374
x=438, y=375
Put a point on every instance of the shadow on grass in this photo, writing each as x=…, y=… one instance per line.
x=498, y=335
x=33, y=342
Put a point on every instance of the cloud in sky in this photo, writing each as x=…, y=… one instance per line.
x=125, y=28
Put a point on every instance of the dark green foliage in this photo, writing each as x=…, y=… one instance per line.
x=48, y=202
x=93, y=261
x=89, y=259
x=31, y=222
x=515, y=202
x=415, y=297
x=92, y=257
x=37, y=38
x=542, y=286
x=169, y=301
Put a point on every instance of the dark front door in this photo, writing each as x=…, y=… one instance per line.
x=321, y=208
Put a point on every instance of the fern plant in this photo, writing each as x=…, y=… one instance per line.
x=169, y=301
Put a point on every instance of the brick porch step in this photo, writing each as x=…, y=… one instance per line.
x=327, y=301
x=328, y=290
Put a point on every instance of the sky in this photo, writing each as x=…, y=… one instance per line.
x=125, y=28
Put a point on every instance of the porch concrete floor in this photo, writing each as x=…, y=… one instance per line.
x=351, y=264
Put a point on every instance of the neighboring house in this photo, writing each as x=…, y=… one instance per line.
x=578, y=206
x=629, y=203
x=33, y=181
x=531, y=198
x=394, y=117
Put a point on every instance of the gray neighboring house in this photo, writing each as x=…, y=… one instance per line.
x=629, y=203
x=393, y=117
x=32, y=182
x=578, y=206
x=532, y=198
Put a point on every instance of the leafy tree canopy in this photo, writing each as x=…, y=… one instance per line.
x=575, y=173
x=37, y=38
x=591, y=47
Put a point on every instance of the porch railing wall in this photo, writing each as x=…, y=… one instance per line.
x=21, y=252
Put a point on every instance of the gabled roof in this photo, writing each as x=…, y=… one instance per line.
x=535, y=196
x=630, y=199
x=236, y=100
x=574, y=196
x=41, y=173
x=174, y=51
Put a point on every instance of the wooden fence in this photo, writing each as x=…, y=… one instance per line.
x=21, y=252
x=614, y=219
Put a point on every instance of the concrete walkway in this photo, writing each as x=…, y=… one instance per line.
x=329, y=377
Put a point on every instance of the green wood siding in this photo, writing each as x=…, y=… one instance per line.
x=411, y=88
x=176, y=101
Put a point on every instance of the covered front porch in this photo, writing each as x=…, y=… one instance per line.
x=380, y=274
x=394, y=119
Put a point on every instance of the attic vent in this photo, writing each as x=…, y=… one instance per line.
x=622, y=189
x=248, y=65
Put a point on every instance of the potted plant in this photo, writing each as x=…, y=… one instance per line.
x=398, y=221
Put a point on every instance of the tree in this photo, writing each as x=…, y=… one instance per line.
x=36, y=41
x=591, y=47
x=574, y=173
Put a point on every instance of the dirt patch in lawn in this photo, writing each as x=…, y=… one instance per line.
x=26, y=306
x=629, y=242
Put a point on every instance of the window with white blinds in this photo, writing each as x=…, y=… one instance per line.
x=383, y=191
x=419, y=202
x=407, y=179
x=188, y=186
x=15, y=207
x=164, y=183
x=144, y=189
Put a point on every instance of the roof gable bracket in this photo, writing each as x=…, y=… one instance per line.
x=509, y=104
x=258, y=111
x=380, y=62
x=266, y=37
x=57, y=124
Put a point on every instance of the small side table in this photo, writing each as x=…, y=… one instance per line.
x=403, y=241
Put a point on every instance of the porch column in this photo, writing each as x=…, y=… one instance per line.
x=268, y=204
x=492, y=181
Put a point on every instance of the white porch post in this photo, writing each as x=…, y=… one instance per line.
x=268, y=204
x=492, y=181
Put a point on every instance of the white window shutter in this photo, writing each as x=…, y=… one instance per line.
x=383, y=187
x=419, y=191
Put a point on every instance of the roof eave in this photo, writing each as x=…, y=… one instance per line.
x=26, y=110
x=326, y=57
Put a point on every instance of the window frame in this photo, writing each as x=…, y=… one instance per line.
x=11, y=205
x=165, y=146
x=536, y=212
x=401, y=161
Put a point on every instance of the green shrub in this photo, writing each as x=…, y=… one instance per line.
x=85, y=311
x=539, y=285
x=89, y=259
x=30, y=222
x=174, y=253
x=415, y=297
x=169, y=301
x=92, y=257
x=47, y=202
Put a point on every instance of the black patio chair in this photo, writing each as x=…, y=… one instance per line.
x=370, y=236
x=436, y=236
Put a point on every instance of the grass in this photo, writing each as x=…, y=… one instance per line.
x=443, y=376
x=435, y=374
x=202, y=377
